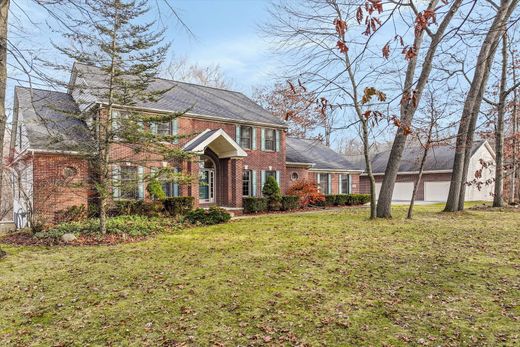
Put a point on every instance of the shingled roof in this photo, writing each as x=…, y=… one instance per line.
x=440, y=158
x=49, y=120
x=321, y=157
x=89, y=85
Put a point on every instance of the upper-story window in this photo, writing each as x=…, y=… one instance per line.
x=164, y=128
x=168, y=128
x=270, y=140
x=246, y=137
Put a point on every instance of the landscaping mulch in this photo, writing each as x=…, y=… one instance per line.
x=27, y=239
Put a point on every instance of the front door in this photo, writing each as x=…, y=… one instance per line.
x=207, y=186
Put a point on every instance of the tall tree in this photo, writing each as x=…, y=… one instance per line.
x=4, y=12
x=112, y=35
x=412, y=92
x=472, y=104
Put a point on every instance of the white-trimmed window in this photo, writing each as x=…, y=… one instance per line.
x=247, y=183
x=246, y=137
x=129, y=182
x=168, y=128
x=344, y=184
x=324, y=183
x=270, y=140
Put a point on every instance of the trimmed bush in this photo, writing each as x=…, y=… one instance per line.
x=271, y=191
x=179, y=205
x=330, y=200
x=358, y=199
x=307, y=192
x=129, y=225
x=290, y=202
x=341, y=199
x=214, y=215
x=253, y=204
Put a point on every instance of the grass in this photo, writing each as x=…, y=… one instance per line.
x=320, y=278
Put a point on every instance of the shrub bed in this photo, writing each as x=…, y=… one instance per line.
x=253, y=204
x=290, y=202
x=134, y=226
x=341, y=199
x=214, y=215
x=358, y=199
x=179, y=205
x=344, y=199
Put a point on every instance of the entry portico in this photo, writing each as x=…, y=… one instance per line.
x=218, y=164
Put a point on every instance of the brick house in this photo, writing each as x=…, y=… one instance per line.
x=436, y=179
x=236, y=146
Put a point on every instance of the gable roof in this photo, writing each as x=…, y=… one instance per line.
x=439, y=158
x=314, y=153
x=48, y=118
x=89, y=84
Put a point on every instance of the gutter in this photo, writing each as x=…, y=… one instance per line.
x=192, y=115
x=297, y=164
x=410, y=172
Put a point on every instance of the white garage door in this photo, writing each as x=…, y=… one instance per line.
x=436, y=191
x=402, y=191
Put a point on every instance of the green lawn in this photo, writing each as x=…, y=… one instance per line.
x=323, y=278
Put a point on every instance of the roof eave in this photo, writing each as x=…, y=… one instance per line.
x=195, y=115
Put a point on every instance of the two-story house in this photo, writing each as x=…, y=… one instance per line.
x=237, y=145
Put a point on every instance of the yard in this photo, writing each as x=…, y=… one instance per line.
x=319, y=278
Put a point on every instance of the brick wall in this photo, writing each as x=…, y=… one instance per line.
x=54, y=190
x=304, y=173
x=257, y=160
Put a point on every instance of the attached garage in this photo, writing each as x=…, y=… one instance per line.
x=402, y=191
x=435, y=182
x=436, y=191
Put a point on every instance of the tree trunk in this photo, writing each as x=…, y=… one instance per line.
x=384, y=204
x=499, y=140
x=472, y=104
x=4, y=12
x=515, y=130
x=417, y=182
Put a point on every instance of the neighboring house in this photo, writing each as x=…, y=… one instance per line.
x=435, y=183
x=237, y=144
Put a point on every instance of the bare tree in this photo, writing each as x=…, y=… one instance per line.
x=428, y=133
x=472, y=104
x=293, y=103
x=412, y=92
x=4, y=12
x=328, y=41
x=180, y=69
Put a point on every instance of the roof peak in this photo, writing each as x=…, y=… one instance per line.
x=174, y=81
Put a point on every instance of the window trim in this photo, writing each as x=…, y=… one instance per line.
x=242, y=138
x=122, y=182
x=266, y=131
x=250, y=183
